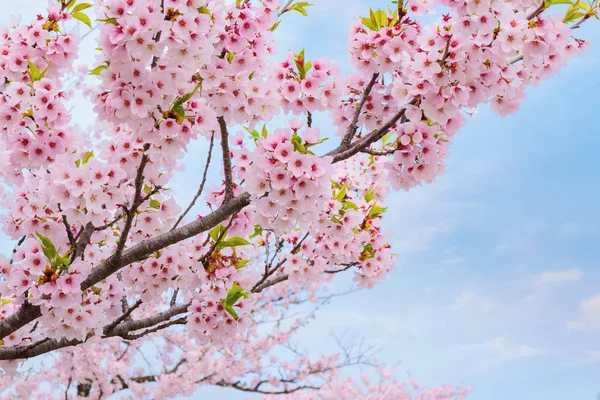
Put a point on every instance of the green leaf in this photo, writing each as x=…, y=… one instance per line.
x=231, y=311
x=341, y=195
x=233, y=296
x=264, y=131
x=155, y=204
x=370, y=194
x=298, y=144
x=300, y=7
x=549, y=3
x=47, y=247
x=180, y=100
x=275, y=26
x=242, y=264
x=87, y=156
x=112, y=21
x=381, y=18
x=81, y=7
x=376, y=211
x=4, y=301
x=317, y=142
x=179, y=110
x=349, y=205
x=97, y=70
x=367, y=22
x=233, y=242
x=83, y=18
x=34, y=72
x=204, y=10
x=62, y=261
x=257, y=231
x=216, y=232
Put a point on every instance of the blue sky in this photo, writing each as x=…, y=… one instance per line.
x=498, y=265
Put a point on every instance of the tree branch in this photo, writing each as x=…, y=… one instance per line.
x=28, y=313
x=201, y=188
x=226, y=160
x=352, y=128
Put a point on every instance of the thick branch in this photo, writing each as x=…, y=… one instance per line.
x=29, y=313
x=124, y=330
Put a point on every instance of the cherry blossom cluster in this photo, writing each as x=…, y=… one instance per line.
x=32, y=100
x=481, y=52
x=288, y=183
x=104, y=248
x=306, y=86
x=420, y=155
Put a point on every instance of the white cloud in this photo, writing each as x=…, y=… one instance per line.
x=497, y=351
x=589, y=316
x=558, y=277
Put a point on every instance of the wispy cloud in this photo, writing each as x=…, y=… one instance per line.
x=558, y=277
x=589, y=316
x=497, y=351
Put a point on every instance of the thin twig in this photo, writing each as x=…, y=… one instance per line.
x=352, y=128
x=201, y=188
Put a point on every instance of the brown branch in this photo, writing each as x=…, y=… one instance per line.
x=340, y=154
x=266, y=284
x=352, y=128
x=237, y=386
x=379, y=152
x=284, y=8
x=83, y=241
x=270, y=271
x=538, y=11
x=28, y=313
x=72, y=241
x=137, y=200
x=179, y=321
x=206, y=256
x=123, y=330
x=346, y=268
x=123, y=317
x=226, y=160
x=201, y=188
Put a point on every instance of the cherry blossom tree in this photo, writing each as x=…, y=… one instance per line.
x=131, y=294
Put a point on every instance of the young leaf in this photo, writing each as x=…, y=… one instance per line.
x=83, y=18
x=97, y=70
x=233, y=242
x=81, y=7
x=376, y=211
x=215, y=232
x=34, y=72
x=87, y=156
x=179, y=110
x=47, y=247
x=341, y=195
x=155, y=204
x=370, y=195
x=349, y=205
x=257, y=231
